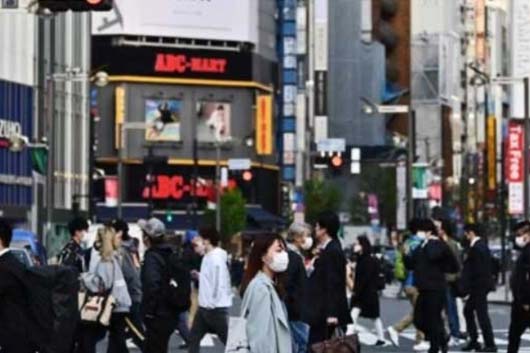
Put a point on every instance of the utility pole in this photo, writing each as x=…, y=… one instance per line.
x=411, y=155
x=218, y=185
x=525, y=150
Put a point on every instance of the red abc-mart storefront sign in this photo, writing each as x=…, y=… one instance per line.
x=176, y=187
x=514, y=153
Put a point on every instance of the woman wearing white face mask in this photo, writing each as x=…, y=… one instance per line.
x=365, y=298
x=263, y=289
x=298, y=240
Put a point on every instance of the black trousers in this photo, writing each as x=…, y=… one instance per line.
x=16, y=344
x=158, y=333
x=520, y=321
x=208, y=321
x=428, y=318
x=477, y=303
x=117, y=334
x=89, y=336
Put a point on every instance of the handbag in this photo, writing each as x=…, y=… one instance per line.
x=96, y=308
x=339, y=343
x=237, y=340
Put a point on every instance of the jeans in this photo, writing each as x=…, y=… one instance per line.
x=300, y=336
x=452, y=314
x=183, y=328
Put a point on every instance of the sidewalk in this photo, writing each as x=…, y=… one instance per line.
x=500, y=296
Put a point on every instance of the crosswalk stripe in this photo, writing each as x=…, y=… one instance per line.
x=525, y=337
x=207, y=341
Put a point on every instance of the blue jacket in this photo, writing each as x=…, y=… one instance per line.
x=412, y=243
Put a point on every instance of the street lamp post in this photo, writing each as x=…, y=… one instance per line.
x=373, y=108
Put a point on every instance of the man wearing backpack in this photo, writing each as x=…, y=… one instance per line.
x=215, y=291
x=166, y=287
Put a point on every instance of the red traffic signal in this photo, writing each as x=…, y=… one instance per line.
x=337, y=161
x=76, y=5
x=247, y=175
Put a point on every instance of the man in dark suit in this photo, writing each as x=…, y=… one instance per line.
x=477, y=281
x=326, y=293
x=14, y=315
x=520, y=284
x=431, y=261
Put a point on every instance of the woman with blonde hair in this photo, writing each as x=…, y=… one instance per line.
x=107, y=275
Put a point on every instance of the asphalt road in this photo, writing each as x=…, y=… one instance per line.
x=392, y=310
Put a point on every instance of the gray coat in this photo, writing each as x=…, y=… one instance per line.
x=106, y=275
x=267, y=323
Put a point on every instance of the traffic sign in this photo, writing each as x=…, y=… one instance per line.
x=505, y=80
x=332, y=145
x=392, y=109
x=239, y=164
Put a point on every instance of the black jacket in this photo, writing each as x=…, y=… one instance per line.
x=15, y=322
x=296, y=287
x=477, y=275
x=430, y=262
x=326, y=295
x=520, y=280
x=153, y=273
x=365, y=292
x=73, y=255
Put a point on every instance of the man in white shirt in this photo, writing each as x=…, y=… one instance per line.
x=215, y=292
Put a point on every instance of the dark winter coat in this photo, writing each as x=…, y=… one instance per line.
x=296, y=287
x=477, y=275
x=520, y=280
x=326, y=294
x=15, y=320
x=153, y=273
x=365, y=292
x=430, y=262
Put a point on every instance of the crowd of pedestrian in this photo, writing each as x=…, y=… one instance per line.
x=298, y=289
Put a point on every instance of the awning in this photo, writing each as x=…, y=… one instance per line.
x=258, y=218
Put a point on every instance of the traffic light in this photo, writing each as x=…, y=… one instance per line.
x=247, y=175
x=76, y=5
x=169, y=216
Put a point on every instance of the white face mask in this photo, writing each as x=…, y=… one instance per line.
x=357, y=248
x=280, y=262
x=308, y=243
x=422, y=235
x=520, y=242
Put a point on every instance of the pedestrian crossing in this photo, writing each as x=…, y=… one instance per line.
x=368, y=337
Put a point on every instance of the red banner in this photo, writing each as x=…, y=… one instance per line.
x=514, y=153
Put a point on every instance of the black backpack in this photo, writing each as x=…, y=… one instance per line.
x=53, y=308
x=176, y=287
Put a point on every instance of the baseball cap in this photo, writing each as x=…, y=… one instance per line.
x=153, y=227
